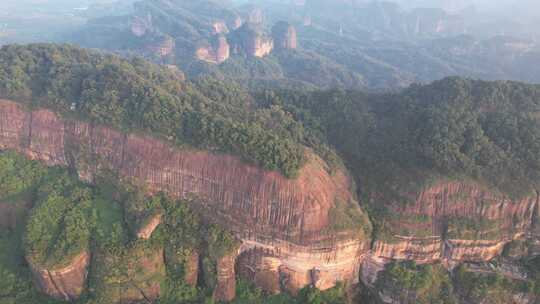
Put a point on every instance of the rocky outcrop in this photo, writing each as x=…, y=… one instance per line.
x=421, y=250
x=473, y=223
x=252, y=41
x=216, y=52
x=284, y=35
x=191, y=269
x=225, y=289
x=289, y=218
x=145, y=232
x=66, y=283
x=451, y=222
x=162, y=46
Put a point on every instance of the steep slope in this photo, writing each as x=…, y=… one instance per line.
x=306, y=223
x=448, y=171
x=263, y=208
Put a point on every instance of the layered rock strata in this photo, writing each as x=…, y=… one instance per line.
x=280, y=265
x=453, y=222
x=225, y=289
x=288, y=217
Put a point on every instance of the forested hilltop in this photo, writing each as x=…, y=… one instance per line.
x=392, y=143
x=134, y=95
x=453, y=127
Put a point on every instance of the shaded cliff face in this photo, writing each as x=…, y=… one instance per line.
x=277, y=265
x=284, y=35
x=470, y=221
x=264, y=209
x=66, y=283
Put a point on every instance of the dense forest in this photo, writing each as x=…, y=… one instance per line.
x=453, y=128
x=137, y=96
x=487, y=131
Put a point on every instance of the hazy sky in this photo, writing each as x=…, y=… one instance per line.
x=515, y=8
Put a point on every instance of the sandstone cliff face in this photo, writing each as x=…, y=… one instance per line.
x=277, y=265
x=287, y=218
x=217, y=52
x=250, y=40
x=453, y=222
x=145, y=232
x=66, y=283
x=284, y=36
x=192, y=269
x=225, y=290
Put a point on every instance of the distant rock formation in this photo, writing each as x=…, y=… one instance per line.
x=256, y=16
x=161, y=46
x=220, y=27
x=215, y=52
x=433, y=227
x=141, y=25
x=252, y=41
x=251, y=202
x=284, y=35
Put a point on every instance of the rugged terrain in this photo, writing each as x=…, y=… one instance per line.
x=159, y=189
x=362, y=44
x=288, y=221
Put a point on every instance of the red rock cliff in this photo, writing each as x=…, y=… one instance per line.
x=217, y=51
x=450, y=222
x=287, y=218
x=66, y=283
